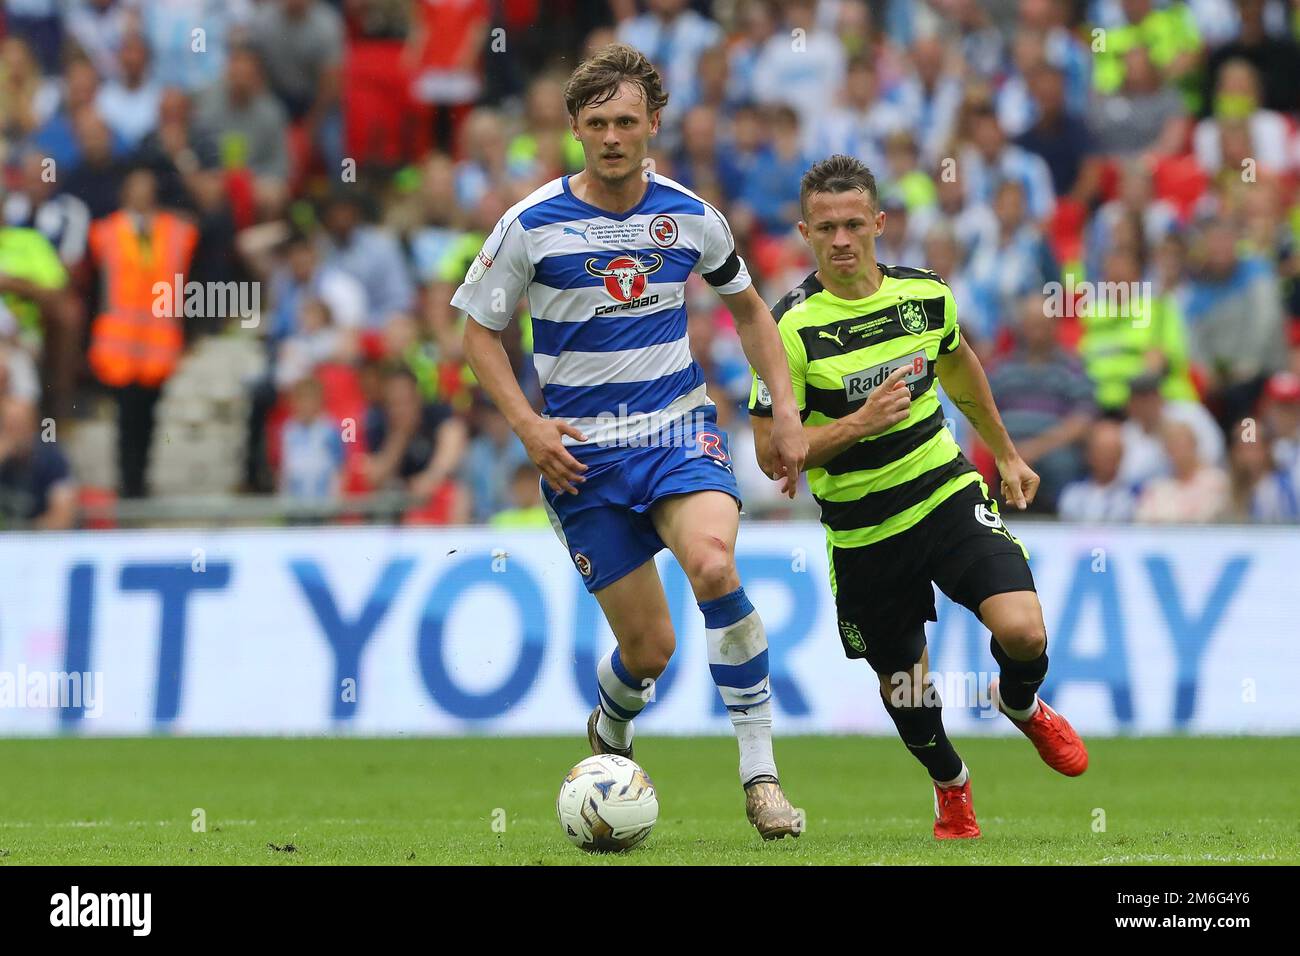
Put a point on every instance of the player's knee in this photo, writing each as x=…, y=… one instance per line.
x=1023, y=637
x=648, y=657
x=711, y=568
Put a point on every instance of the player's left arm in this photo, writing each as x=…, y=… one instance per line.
x=964, y=381
x=766, y=353
x=723, y=269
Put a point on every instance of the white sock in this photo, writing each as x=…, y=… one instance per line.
x=1022, y=715
x=622, y=697
x=737, y=647
x=957, y=781
x=754, y=734
x=616, y=733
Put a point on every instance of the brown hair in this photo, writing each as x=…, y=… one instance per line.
x=838, y=174
x=598, y=78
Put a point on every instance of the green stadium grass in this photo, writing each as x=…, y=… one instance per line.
x=430, y=801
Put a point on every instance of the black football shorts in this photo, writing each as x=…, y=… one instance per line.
x=885, y=593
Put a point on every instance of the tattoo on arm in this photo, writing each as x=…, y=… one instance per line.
x=968, y=408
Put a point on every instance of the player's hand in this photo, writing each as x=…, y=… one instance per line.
x=1019, y=482
x=789, y=449
x=543, y=440
x=888, y=405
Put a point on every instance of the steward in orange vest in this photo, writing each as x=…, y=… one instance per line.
x=133, y=342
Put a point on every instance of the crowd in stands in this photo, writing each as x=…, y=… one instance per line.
x=1108, y=186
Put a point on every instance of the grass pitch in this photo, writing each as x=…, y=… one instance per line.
x=485, y=800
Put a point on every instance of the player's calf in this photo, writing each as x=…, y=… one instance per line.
x=626, y=686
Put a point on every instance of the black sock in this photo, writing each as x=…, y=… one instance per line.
x=922, y=731
x=1019, y=680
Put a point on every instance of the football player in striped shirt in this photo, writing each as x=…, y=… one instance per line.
x=628, y=445
x=901, y=505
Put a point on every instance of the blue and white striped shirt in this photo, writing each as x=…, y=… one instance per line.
x=607, y=294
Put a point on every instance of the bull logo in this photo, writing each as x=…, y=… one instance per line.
x=625, y=276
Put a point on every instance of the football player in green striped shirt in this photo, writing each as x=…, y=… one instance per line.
x=901, y=505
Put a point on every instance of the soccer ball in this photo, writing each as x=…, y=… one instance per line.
x=607, y=804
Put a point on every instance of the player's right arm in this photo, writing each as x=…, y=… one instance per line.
x=492, y=287
x=889, y=404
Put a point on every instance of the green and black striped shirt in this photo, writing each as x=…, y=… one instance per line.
x=839, y=351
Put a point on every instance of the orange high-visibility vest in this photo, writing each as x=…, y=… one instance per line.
x=133, y=341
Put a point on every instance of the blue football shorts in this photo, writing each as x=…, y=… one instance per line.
x=606, y=526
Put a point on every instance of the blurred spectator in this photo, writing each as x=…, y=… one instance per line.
x=1145, y=448
x=98, y=178
x=1129, y=330
x=129, y=104
x=769, y=198
x=415, y=446
x=99, y=28
x=1062, y=49
x=698, y=164
x=57, y=137
x=1135, y=207
x=38, y=204
x=27, y=98
x=1045, y=401
x=1265, y=136
x=943, y=255
x=191, y=39
x=483, y=162
x=432, y=236
x=444, y=54
x=37, y=24
x=368, y=254
x=990, y=160
x=757, y=25
x=1193, y=492
x=316, y=340
x=1234, y=320
x=1167, y=34
x=526, y=509
x=311, y=447
x=1281, y=416
x=18, y=376
x=1262, y=492
x=545, y=148
x=674, y=37
x=930, y=96
x=135, y=341
x=41, y=315
x=1276, y=59
x=1015, y=107
x=1060, y=137
x=1101, y=496
x=980, y=41
x=300, y=277
x=912, y=184
x=36, y=484
x=1018, y=261
x=248, y=126
x=799, y=62
x=1141, y=114
x=493, y=456
x=301, y=45
x=859, y=124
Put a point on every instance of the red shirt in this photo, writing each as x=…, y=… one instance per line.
x=448, y=25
